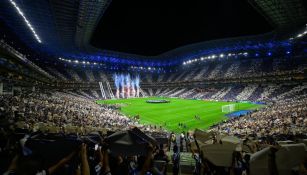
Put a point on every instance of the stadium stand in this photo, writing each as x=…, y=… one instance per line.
x=74, y=112
x=51, y=123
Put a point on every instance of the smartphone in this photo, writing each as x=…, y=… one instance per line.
x=96, y=147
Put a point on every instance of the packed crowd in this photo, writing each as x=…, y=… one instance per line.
x=26, y=122
x=234, y=92
x=211, y=70
x=26, y=150
x=286, y=116
x=24, y=153
x=59, y=109
x=283, y=118
x=232, y=69
x=35, y=153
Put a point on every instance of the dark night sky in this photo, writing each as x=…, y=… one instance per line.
x=151, y=27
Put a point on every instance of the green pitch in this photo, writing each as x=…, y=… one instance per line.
x=169, y=115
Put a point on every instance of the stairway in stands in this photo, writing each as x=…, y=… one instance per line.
x=187, y=93
x=186, y=160
x=247, y=92
x=165, y=91
x=292, y=91
x=215, y=71
x=143, y=93
x=267, y=91
x=158, y=92
x=201, y=74
x=150, y=92
x=220, y=94
x=176, y=93
x=169, y=93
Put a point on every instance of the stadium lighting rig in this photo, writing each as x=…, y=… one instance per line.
x=300, y=35
x=137, y=68
x=147, y=69
x=26, y=21
x=79, y=62
x=211, y=57
x=245, y=54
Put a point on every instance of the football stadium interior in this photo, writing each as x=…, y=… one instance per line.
x=153, y=87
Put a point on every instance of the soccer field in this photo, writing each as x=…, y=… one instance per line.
x=169, y=115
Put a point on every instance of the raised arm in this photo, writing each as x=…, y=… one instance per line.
x=148, y=160
x=61, y=163
x=100, y=153
x=106, y=166
x=84, y=162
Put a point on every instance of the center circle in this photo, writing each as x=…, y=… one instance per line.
x=157, y=101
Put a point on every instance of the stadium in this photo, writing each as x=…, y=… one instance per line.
x=153, y=87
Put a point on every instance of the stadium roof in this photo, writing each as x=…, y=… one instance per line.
x=155, y=26
x=282, y=13
x=64, y=28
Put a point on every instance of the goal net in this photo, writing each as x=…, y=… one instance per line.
x=228, y=108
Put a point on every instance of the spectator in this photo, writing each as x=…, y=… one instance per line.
x=176, y=160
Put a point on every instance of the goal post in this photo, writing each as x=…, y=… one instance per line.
x=228, y=108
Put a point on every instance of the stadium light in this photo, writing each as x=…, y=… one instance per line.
x=221, y=55
x=26, y=21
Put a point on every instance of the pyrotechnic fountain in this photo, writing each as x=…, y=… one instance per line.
x=116, y=79
x=137, y=85
x=126, y=85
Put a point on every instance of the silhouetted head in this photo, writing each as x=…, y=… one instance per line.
x=175, y=148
